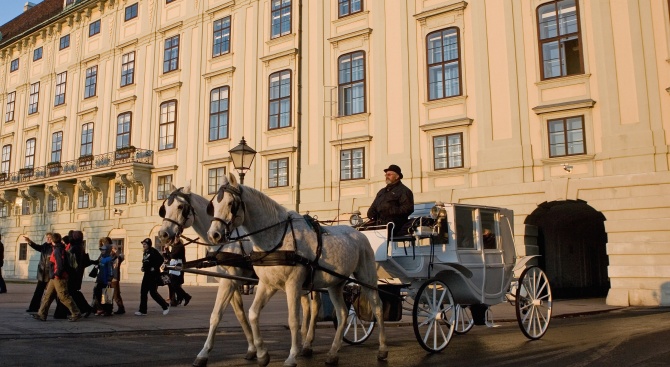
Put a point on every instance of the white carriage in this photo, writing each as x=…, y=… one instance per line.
x=447, y=269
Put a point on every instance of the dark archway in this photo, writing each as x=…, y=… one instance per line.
x=572, y=241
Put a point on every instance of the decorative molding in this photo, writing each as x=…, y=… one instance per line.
x=229, y=70
x=85, y=112
x=7, y=136
x=126, y=44
x=136, y=181
x=290, y=52
x=57, y=120
x=31, y=128
x=124, y=100
x=218, y=8
x=458, y=6
x=170, y=27
x=210, y=162
x=8, y=197
x=85, y=61
x=92, y=185
x=351, y=140
x=365, y=33
x=165, y=169
x=464, y=121
x=278, y=151
x=162, y=89
x=62, y=191
x=352, y=18
x=564, y=106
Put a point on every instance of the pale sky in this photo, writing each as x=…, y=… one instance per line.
x=10, y=9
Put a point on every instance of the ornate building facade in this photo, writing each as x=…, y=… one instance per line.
x=559, y=110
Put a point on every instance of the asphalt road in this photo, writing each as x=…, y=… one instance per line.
x=626, y=337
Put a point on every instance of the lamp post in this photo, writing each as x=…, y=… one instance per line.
x=242, y=156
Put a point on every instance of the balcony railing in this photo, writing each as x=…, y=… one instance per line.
x=85, y=163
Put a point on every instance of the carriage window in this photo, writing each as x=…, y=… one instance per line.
x=464, y=228
x=489, y=230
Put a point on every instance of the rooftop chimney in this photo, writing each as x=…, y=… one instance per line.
x=27, y=6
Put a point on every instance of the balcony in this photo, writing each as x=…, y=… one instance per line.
x=88, y=164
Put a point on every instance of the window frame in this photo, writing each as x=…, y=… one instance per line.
x=29, y=157
x=83, y=199
x=566, y=134
x=91, y=82
x=52, y=204
x=444, y=63
x=25, y=207
x=94, y=28
x=61, y=88
x=352, y=166
x=557, y=38
x=34, y=99
x=86, y=139
x=4, y=213
x=275, y=174
x=128, y=69
x=171, y=54
x=223, y=38
x=448, y=156
x=163, y=140
x=219, y=114
x=56, y=146
x=64, y=42
x=280, y=75
x=214, y=179
x=349, y=12
x=163, y=186
x=14, y=65
x=124, y=129
x=342, y=86
x=10, y=106
x=281, y=19
x=6, y=159
x=37, y=53
x=120, y=194
x=131, y=12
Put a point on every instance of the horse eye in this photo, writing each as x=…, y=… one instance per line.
x=180, y=207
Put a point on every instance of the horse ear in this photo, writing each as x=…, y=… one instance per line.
x=187, y=188
x=232, y=179
x=172, y=187
x=210, y=209
x=161, y=211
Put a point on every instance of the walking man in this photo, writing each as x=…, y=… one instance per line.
x=151, y=266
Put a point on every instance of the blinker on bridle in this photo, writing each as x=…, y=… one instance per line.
x=235, y=206
x=170, y=199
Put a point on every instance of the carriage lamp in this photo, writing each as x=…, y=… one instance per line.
x=438, y=212
x=355, y=220
x=242, y=156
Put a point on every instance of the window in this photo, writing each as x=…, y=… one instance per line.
x=281, y=18
x=91, y=82
x=34, y=101
x=560, y=40
x=218, y=113
x=351, y=83
x=168, y=1
x=6, y=159
x=221, y=37
x=64, y=42
x=86, y=139
x=168, y=120
x=61, y=80
x=30, y=153
x=56, y=146
x=23, y=251
x=280, y=100
x=82, y=199
x=215, y=179
x=131, y=12
x=14, y=65
x=123, y=124
x=444, y=72
x=94, y=28
x=278, y=172
x=4, y=210
x=489, y=229
x=37, y=54
x=120, y=194
x=465, y=231
x=52, y=204
x=128, y=68
x=448, y=151
x=351, y=164
x=566, y=136
x=164, y=186
x=25, y=207
x=171, y=54
x=348, y=7
x=11, y=98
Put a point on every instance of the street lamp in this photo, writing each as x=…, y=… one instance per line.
x=242, y=156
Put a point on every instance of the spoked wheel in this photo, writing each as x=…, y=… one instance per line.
x=464, y=321
x=533, y=303
x=356, y=330
x=434, y=316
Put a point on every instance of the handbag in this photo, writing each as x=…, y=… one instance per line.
x=107, y=296
x=163, y=279
x=94, y=272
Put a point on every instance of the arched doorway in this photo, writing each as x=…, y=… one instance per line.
x=572, y=241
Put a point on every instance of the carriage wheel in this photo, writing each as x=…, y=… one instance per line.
x=434, y=316
x=464, y=321
x=356, y=331
x=533, y=303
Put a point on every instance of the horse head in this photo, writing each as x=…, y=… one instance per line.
x=177, y=213
x=227, y=210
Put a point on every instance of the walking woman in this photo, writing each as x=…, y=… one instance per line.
x=151, y=266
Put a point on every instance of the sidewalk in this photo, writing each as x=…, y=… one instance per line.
x=15, y=322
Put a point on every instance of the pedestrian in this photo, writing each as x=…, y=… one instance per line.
x=151, y=266
x=117, y=259
x=57, y=286
x=178, y=257
x=74, y=244
x=43, y=277
x=3, y=286
x=103, y=279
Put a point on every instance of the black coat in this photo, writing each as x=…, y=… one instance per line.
x=43, y=267
x=178, y=253
x=152, y=260
x=394, y=203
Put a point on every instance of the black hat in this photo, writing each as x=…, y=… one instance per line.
x=395, y=169
x=147, y=241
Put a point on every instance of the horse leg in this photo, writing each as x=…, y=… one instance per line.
x=263, y=295
x=376, y=303
x=293, y=292
x=313, y=303
x=223, y=296
x=238, y=308
x=337, y=297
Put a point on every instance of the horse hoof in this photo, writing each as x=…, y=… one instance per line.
x=265, y=360
x=332, y=360
x=287, y=364
x=306, y=352
x=381, y=356
x=250, y=356
x=200, y=362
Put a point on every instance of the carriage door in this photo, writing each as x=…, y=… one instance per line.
x=467, y=246
x=488, y=235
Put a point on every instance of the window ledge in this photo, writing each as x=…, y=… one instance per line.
x=350, y=18
x=352, y=183
x=279, y=189
x=281, y=39
x=448, y=101
x=60, y=106
x=568, y=158
x=564, y=80
x=448, y=172
x=364, y=116
x=281, y=131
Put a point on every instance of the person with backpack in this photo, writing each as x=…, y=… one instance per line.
x=103, y=279
x=57, y=286
x=78, y=261
x=117, y=259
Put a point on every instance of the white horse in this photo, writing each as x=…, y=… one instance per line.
x=183, y=209
x=270, y=227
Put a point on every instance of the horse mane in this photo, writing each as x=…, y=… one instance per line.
x=263, y=203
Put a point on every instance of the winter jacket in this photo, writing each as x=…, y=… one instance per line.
x=394, y=203
x=105, y=272
x=43, y=271
x=57, y=262
x=151, y=262
x=116, y=266
x=177, y=257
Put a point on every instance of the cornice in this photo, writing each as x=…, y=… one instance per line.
x=215, y=73
x=218, y=8
x=457, y=6
x=564, y=106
